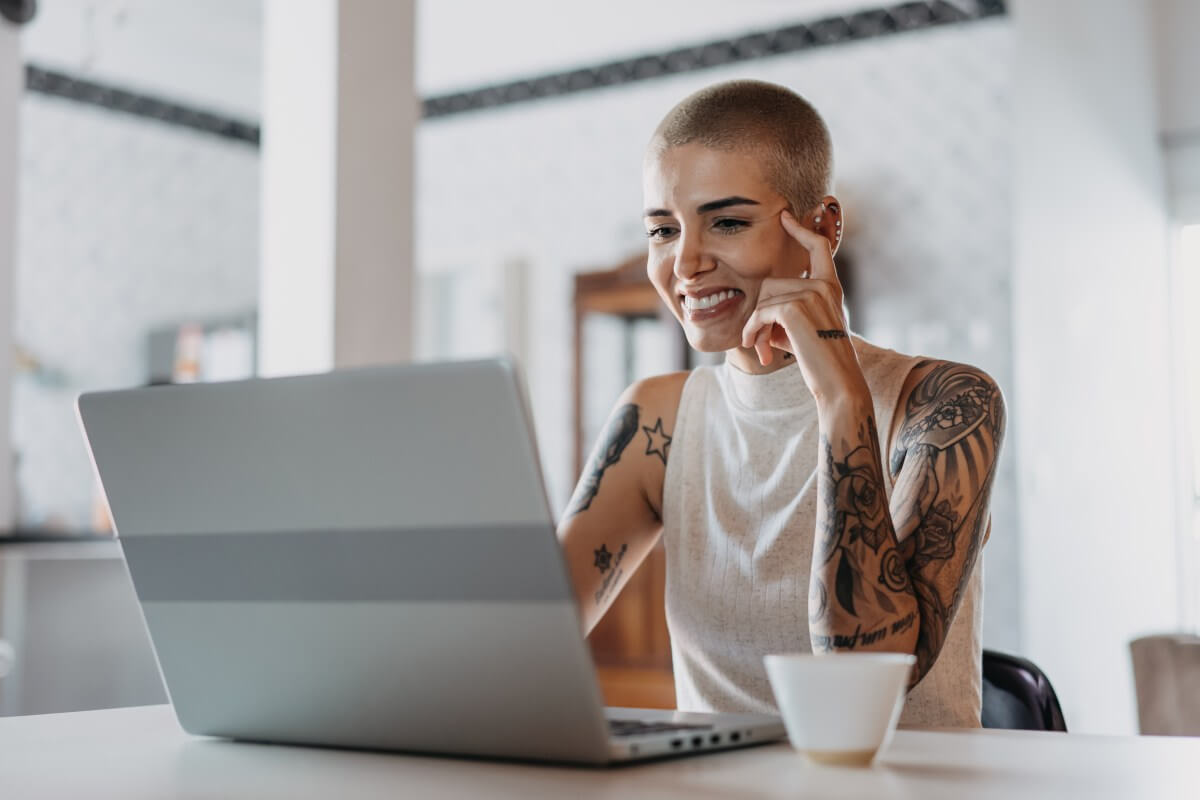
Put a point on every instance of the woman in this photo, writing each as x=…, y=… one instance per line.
x=770, y=475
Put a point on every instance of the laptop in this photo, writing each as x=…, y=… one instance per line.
x=365, y=558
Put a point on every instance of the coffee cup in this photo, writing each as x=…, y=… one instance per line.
x=840, y=708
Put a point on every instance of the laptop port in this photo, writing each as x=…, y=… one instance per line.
x=676, y=744
x=697, y=741
x=715, y=738
x=735, y=737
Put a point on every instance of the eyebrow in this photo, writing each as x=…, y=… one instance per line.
x=712, y=205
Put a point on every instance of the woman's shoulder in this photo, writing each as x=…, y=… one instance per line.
x=873, y=352
x=658, y=394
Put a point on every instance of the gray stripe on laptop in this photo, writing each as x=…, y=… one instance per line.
x=485, y=563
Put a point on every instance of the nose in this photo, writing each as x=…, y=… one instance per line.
x=689, y=257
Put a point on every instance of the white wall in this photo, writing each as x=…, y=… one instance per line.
x=1091, y=350
x=125, y=224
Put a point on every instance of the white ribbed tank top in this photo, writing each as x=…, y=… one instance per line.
x=739, y=517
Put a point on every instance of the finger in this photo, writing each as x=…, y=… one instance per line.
x=809, y=291
x=759, y=328
x=751, y=330
x=771, y=288
x=762, y=345
x=820, y=255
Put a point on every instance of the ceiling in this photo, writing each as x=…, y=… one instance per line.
x=209, y=53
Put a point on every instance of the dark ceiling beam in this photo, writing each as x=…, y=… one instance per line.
x=826, y=32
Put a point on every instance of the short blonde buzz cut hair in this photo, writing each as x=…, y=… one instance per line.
x=766, y=119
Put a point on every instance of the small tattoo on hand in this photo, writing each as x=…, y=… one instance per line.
x=831, y=334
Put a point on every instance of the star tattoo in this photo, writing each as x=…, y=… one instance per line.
x=657, y=440
x=603, y=558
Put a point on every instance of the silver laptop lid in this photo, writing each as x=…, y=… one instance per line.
x=360, y=558
x=352, y=449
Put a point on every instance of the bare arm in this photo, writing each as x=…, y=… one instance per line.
x=892, y=579
x=944, y=463
x=882, y=578
x=613, y=519
x=860, y=596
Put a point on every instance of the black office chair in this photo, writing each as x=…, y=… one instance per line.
x=1018, y=695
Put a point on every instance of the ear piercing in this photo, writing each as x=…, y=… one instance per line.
x=837, y=224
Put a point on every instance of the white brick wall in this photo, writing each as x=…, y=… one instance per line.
x=124, y=224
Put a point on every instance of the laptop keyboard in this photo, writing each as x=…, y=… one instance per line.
x=633, y=727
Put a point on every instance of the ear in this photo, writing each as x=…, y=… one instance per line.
x=828, y=220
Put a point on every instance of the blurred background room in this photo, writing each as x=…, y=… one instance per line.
x=217, y=190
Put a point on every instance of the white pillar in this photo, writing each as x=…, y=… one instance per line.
x=1092, y=350
x=339, y=113
x=12, y=83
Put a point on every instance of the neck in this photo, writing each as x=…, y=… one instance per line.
x=746, y=359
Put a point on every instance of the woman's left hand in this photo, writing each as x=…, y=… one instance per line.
x=803, y=316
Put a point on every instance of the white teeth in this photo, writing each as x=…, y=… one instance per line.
x=701, y=303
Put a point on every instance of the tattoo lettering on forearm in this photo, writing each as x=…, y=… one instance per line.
x=831, y=334
x=905, y=623
x=620, y=432
x=947, y=447
x=874, y=636
x=826, y=642
x=657, y=440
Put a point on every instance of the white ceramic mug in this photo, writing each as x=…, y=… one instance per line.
x=840, y=708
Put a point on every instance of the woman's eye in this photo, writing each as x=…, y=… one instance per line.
x=660, y=232
x=730, y=225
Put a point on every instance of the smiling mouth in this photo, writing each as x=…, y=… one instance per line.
x=710, y=307
x=709, y=301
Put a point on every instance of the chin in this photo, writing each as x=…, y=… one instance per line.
x=711, y=344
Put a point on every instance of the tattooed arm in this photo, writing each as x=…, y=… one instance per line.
x=943, y=462
x=614, y=518
x=892, y=579
x=882, y=578
x=860, y=596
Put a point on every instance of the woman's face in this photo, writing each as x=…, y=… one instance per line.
x=713, y=224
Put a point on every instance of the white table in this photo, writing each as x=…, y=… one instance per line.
x=137, y=753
